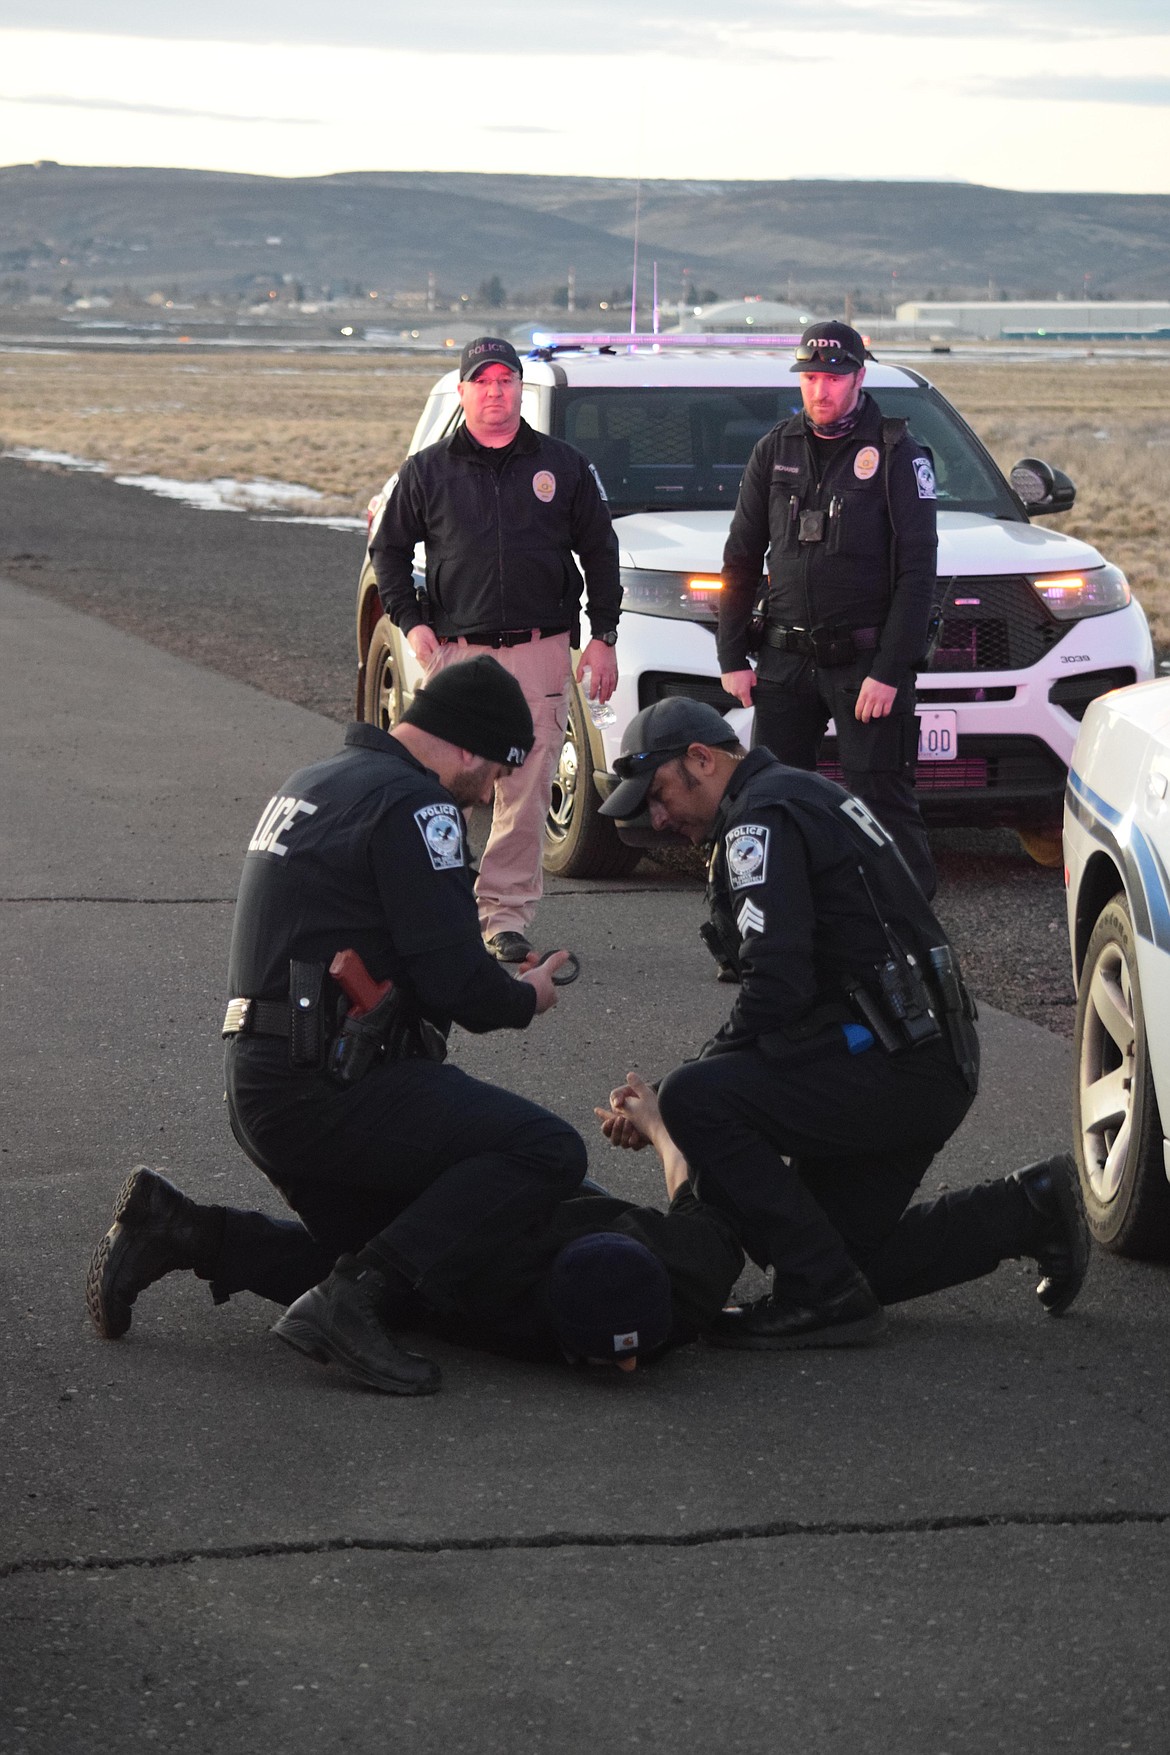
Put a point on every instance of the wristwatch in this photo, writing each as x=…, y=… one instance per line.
x=609, y=638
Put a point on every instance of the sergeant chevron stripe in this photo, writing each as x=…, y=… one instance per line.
x=750, y=919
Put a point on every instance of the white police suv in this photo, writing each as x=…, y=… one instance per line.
x=1035, y=624
x=1117, y=867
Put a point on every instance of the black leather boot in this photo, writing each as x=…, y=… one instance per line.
x=156, y=1231
x=1059, y=1235
x=343, y=1320
x=851, y=1317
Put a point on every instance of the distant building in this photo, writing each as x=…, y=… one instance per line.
x=1040, y=319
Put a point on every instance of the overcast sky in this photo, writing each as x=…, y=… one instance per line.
x=1025, y=94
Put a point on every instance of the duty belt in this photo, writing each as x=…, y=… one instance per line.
x=256, y=1017
x=789, y=639
x=497, y=637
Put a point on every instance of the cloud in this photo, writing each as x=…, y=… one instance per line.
x=1088, y=88
x=598, y=27
x=50, y=101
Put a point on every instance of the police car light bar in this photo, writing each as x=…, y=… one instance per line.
x=543, y=343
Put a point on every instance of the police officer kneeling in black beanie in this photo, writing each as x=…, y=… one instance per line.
x=409, y=1171
x=849, y=1057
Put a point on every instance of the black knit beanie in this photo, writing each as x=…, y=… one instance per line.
x=477, y=706
x=609, y=1297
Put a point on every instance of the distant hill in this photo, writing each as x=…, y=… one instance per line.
x=203, y=231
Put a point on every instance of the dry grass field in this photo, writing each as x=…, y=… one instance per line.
x=339, y=424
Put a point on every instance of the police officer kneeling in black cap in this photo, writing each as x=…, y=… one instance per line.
x=849, y=1058
x=409, y=1171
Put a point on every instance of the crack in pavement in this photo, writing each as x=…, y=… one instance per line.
x=555, y=1539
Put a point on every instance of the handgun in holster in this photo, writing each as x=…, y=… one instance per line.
x=959, y=1013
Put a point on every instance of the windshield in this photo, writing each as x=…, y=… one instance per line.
x=686, y=448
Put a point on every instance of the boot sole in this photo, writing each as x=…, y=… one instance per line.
x=127, y=1209
x=846, y=1334
x=308, y=1340
x=1074, y=1207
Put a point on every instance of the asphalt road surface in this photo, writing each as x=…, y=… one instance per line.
x=954, y=1543
x=272, y=604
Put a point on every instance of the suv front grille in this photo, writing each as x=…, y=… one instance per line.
x=996, y=623
x=996, y=770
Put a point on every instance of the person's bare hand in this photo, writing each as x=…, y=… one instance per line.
x=602, y=661
x=739, y=683
x=423, y=642
x=540, y=975
x=875, y=700
x=632, y=1116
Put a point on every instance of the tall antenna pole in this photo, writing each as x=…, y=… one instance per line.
x=634, y=286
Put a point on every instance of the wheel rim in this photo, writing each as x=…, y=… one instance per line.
x=563, y=802
x=386, y=692
x=1107, y=1080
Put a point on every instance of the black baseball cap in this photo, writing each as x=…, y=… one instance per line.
x=657, y=734
x=831, y=347
x=487, y=350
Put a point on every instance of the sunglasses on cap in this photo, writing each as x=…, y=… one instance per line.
x=807, y=354
x=633, y=766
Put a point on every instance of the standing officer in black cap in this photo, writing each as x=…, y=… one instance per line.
x=849, y=1057
x=502, y=510
x=408, y=1170
x=843, y=504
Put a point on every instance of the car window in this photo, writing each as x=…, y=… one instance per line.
x=686, y=448
x=968, y=480
x=682, y=448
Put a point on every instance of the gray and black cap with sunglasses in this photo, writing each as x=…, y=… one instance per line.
x=657, y=734
x=833, y=348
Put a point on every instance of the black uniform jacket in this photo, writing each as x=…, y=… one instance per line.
x=843, y=580
x=802, y=883
x=504, y=1306
x=499, y=542
x=367, y=850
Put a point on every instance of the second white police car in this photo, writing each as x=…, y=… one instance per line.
x=1035, y=624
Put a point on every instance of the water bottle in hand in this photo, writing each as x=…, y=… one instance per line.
x=601, y=713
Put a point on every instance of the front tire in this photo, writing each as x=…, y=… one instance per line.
x=578, y=841
x=1118, y=1131
x=382, y=700
x=1044, y=845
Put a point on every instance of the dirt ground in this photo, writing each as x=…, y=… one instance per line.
x=339, y=424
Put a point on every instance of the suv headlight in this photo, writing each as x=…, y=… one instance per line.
x=684, y=596
x=1094, y=591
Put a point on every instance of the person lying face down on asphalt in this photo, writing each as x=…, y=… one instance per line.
x=848, y=1059
x=597, y=1281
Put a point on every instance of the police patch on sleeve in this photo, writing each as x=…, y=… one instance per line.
x=747, y=855
x=600, y=484
x=924, y=470
x=441, y=828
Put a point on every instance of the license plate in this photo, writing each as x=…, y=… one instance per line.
x=938, y=740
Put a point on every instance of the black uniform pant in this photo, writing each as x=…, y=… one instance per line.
x=794, y=702
x=419, y=1165
x=817, y=1158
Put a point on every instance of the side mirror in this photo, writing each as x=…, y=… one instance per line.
x=1040, y=488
